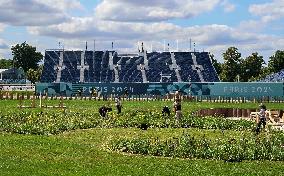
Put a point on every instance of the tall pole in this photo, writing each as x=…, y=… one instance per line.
x=94, y=53
x=190, y=44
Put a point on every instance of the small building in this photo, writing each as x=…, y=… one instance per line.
x=12, y=74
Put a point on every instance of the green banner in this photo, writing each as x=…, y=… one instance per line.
x=194, y=89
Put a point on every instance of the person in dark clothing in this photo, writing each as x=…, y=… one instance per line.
x=166, y=111
x=281, y=113
x=126, y=92
x=80, y=91
x=143, y=126
x=262, y=118
x=118, y=105
x=103, y=111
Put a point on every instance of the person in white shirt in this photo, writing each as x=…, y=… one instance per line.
x=177, y=106
x=262, y=118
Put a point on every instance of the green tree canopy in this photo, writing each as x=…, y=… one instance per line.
x=6, y=63
x=216, y=64
x=276, y=62
x=34, y=75
x=26, y=56
x=251, y=67
x=231, y=66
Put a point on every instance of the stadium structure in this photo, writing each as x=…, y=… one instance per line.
x=68, y=72
x=112, y=67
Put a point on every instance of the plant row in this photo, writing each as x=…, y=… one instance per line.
x=54, y=122
x=231, y=150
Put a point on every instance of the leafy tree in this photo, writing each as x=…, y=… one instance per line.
x=26, y=56
x=276, y=62
x=34, y=75
x=216, y=64
x=6, y=63
x=231, y=66
x=263, y=73
x=251, y=67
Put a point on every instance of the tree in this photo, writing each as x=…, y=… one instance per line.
x=6, y=63
x=26, y=56
x=231, y=66
x=276, y=62
x=34, y=75
x=251, y=67
x=216, y=64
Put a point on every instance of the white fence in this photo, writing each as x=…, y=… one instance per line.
x=17, y=87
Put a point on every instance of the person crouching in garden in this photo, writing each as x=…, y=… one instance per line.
x=261, y=118
x=104, y=110
x=118, y=105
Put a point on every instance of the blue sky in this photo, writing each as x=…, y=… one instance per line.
x=214, y=25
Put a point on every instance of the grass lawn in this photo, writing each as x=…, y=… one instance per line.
x=83, y=152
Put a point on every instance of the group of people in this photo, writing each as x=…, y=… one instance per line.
x=105, y=109
x=176, y=107
x=261, y=120
x=165, y=111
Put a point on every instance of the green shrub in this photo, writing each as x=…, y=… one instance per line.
x=232, y=150
x=54, y=122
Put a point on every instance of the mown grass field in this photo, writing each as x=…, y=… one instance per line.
x=84, y=151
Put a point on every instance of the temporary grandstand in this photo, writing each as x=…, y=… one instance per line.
x=12, y=76
x=113, y=67
x=275, y=77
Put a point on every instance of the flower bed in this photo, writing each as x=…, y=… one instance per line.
x=186, y=146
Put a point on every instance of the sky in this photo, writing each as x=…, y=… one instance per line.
x=213, y=25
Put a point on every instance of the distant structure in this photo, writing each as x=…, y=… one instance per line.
x=12, y=75
x=275, y=77
x=113, y=67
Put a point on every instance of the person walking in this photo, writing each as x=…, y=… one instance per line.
x=261, y=118
x=177, y=106
x=118, y=105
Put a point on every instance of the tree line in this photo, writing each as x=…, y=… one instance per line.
x=235, y=68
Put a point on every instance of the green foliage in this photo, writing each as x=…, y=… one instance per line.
x=251, y=67
x=276, y=62
x=34, y=75
x=81, y=152
x=5, y=64
x=216, y=64
x=186, y=146
x=263, y=73
x=54, y=122
x=26, y=56
x=231, y=66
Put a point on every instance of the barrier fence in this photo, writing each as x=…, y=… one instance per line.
x=4, y=95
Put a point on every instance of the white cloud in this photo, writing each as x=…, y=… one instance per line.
x=228, y=6
x=2, y=27
x=92, y=28
x=268, y=11
x=148, y=10
x=63, y=5
x=3, y=44
x=129, y=21
x=252, y=25
x=35, y=12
